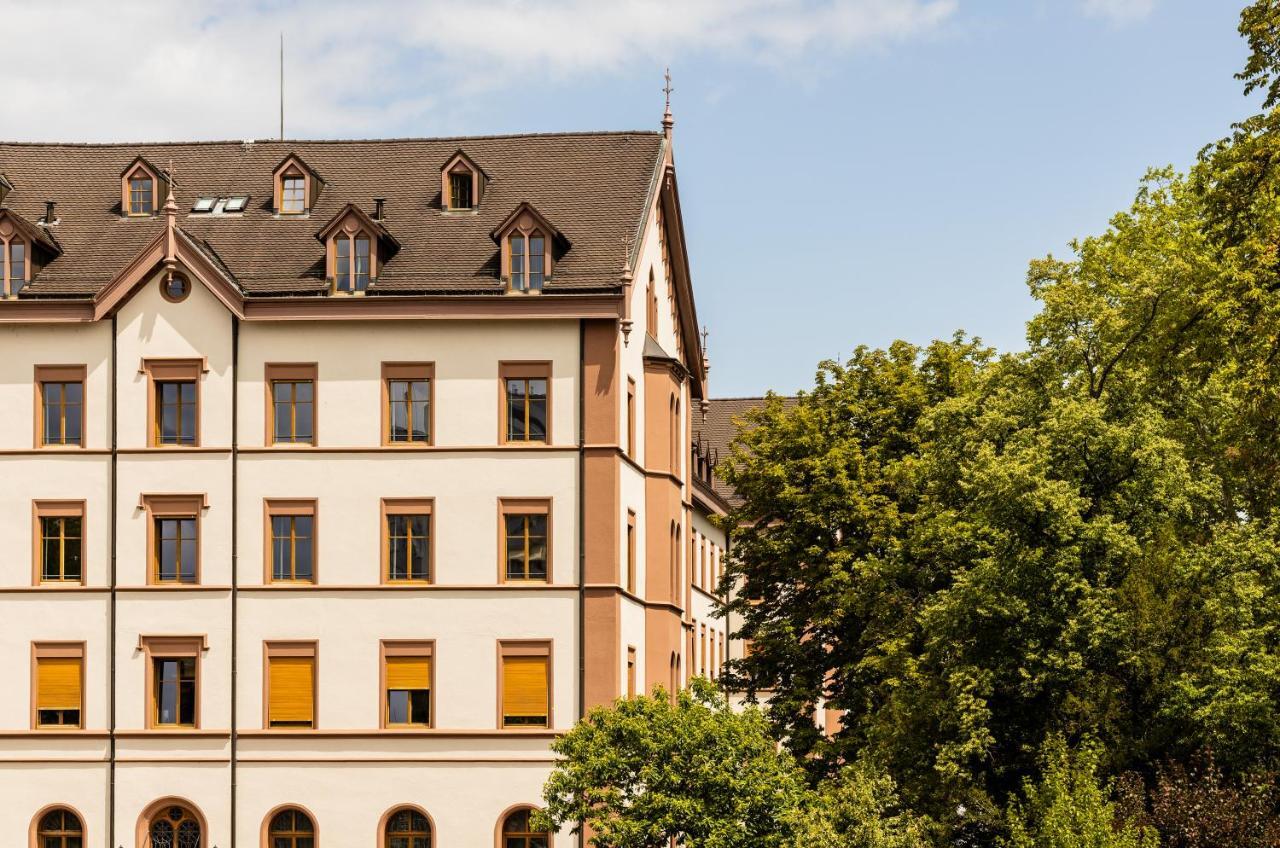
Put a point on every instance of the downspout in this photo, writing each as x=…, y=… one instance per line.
x=111, y=610
x=235, y=551
x=582, y=537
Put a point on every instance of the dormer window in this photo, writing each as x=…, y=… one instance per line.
x=141, y=194
x=356, y=246
x=527, y=260
x=351, y=263
x=13, y=266
x=296, y=187
x=140, y=189
x=293, y=194
x=526, y=240
x=461, y=184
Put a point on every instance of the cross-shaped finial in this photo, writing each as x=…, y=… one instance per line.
x=705, y=333
x=667, y=89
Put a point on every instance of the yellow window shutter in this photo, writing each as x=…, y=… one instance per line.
x=292, y=682
x=524, y=688
x=408, y=672
x=58, y=683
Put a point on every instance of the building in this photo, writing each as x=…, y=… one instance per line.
x=339, y=477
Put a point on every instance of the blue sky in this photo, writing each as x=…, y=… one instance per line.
x=852, y=171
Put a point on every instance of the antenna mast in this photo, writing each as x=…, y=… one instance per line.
x=282, y=85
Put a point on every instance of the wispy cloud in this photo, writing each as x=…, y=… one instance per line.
x=87, y=70
x=1119, y=11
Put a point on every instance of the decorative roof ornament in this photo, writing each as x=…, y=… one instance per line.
x=171, y=228
x=706, y=369
x=628, y=275
x=667, y=121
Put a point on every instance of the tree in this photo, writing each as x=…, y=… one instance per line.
x=648, y=770
x=859, y=808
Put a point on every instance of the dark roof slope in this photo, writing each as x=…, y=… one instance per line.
x=719, y=427
x=591, y=186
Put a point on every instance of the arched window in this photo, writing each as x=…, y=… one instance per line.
x=352, y=262
x=60, y=828
x=291, y=828
x=174, y=827
x=518, y=832
x=528, y=260
x=407, y=828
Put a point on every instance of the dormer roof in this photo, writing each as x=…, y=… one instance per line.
x=520, y=211
x=160, y=173
x=295, y=159
x=461, y=155
x=366, y=222
x=31, y=232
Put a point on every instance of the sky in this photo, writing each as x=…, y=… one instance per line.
x=851, y=171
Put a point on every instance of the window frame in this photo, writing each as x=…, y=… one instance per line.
x=172, y=506
x=384, y=838
x=390, y=649
x=139, y=171
x=406, y=506
x=353, y=231
x=53, y=650
x=176, y=370
x=631, y=541
x=632, y=670
x=61, y=375
x=42, y=509
x=524, y=506
x=290, y=649
x=7, y=288
x=411, y=371
x=271, y=815
x=523, y=370
x=37, y=835
x=291, y=372
x=288, y=175
x=166, y=648
x=631, y=451
x=292, y=166
x=292, y=508
x=544, y=648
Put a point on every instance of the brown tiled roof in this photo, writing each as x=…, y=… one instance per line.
x=591, y=186
x=719, y=427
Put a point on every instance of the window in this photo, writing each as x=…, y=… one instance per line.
x=60, y=541
x=526, y=395
x=406, y=403
x=173, y=694
x=174, y=543
x=407, y=828
x=291, y=404
x=361, y=266
x=525, y=684
x=518, y=832
x=60, y=828
x=406, y=552
x=291, y=828
x=13, y=267
x=631, y=418
x=293, y=194
x=527, y=261
x=460, y=190
x=291, y=685
x=406, y=674
x=526, y=538
x=352, y=264
x=174, y=399
x=141, y=194
x=175, y=289
x=60, y=409
x=651, y=323
x=58, y=688
x=291, y=526
x=174, y=826
x=631, y=552
x=631, y=671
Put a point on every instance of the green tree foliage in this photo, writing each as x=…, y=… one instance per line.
x=971, y=554
x=1069, y=807
x=859, y=808
x=646, y=771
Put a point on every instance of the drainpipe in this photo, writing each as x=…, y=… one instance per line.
x=111, y=611
x=235, y=552
x=582, y=534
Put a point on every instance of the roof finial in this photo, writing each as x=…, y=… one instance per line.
x=627, y=276
x=667, y=121
x=170, y=204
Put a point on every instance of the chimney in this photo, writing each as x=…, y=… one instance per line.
x=379, y=207
x=50, y=212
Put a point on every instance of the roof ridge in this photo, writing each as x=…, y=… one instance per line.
x=286, y=141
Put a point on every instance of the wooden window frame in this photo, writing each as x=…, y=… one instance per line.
x=632, y=671
x=351, y=228
x=499, y=839
x=272, y=507
x=408, y=371
x=631, y=418
x=173, y=506
x=385, y=821
x=171, y=647
x=524, y=506
x=59, y=374
x=7, y=288
x=126, y=191
x=528, y=648
x=291, y=648
x=388, y=648
x=291, y=372
x=56, y=509
x=288, y=175
x=178, y=370
x=266, y=836
x=632, y=532
x=56, y=651
x=459, y=163
x=406, y=506
x=522, y=370
x=292, y=167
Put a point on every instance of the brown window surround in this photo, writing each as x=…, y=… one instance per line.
x=403, y=405
x=519, y=509
x=631, y=671
x=291, y=712
x=515, y=830
x=294, y=400
x=156, y=650
x=522, y=267
x=405, y=826
x=631, y=552
x=457, y=170
x=651, y=295
x=60, y=406
x=403, y=679
x=631, y=418
x=352, y=258
x=173, y=508
x=517, y=422
x=175, y=371
x=290, y=826
x=137, y=197
x=285, y=203
x=58, y=555
x=15, y=262
x=298, y=539
x=513, y=655
x=406, y=508
x=57, y=686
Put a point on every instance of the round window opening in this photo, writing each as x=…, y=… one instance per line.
x=175, y=289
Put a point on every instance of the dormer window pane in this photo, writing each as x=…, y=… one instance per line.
x=362, y=263
x=342, y=263
x=17, y=267
x=535, y=263
x=140, y=196
x=517, y=262
x=460, y=190
x=292, y=195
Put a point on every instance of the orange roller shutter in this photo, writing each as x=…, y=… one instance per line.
x=524, y=691
x=292, y=684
